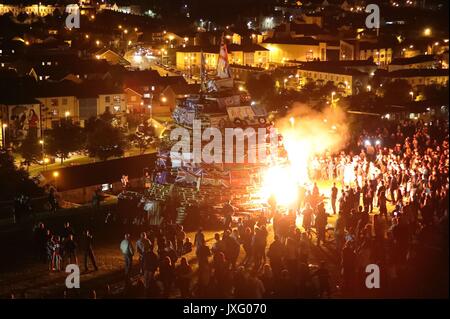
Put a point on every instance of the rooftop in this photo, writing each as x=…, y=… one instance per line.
x=416, y=59
x=417, y=72
x=298, y=41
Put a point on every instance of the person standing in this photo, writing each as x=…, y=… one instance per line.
x=143, y=246
x=334, y=193
x=321, y=223
x=88, y=250
x=127, y=249
x=199, y=240
x=228, y=211
x=183, y=273
x=70, y=250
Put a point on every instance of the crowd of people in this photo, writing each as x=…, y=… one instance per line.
x=391, y=210
x=58, y=249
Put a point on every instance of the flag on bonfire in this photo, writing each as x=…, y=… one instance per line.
x=188, y=174
x=223, y=67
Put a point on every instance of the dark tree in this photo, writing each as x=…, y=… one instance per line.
x=15, y=181
x=397, y=92
x=64, y=138
x=104, y=140
x=30, y=149
x=260, y=87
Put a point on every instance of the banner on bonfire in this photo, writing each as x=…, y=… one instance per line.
x=215, y=178
x=190, y=175
x=228, y=101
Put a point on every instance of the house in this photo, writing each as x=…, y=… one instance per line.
x=299, y=49
x=111, y=57
x=348, y=80
x=418, y=78
x=58, y=100
x=424, y=61
x=19, y=111
x=189, y=57
x=381, y=53
x=175, y=92
x=142, y=89
x=96, y=98
x=75, y=69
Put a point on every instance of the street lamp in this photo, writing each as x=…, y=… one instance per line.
x=412, y=95
x=55, y=176
x=4, y=126
x=332, y=97
x=369, y=88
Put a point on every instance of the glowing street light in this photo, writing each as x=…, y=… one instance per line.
x=369, y=88
x=55, y=176
x=332, y=97
x=412, y=95
x=67, y=114
x=427, y=32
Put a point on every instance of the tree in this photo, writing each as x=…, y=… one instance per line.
x=64, y=138
x=30, y=149
x=14, y=181
x=104, y=140
x=328, y=88
x=436, y=92
x=397, y=92
x=262, y=86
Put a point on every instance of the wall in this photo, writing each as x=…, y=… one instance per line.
x=57, y=108
x=115, y=103
x=280, y=53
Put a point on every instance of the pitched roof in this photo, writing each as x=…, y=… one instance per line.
x=416, y=59
x=135, y=79
x=326, y=68
x=298, y=41
x=181, y=88
x=407, y=73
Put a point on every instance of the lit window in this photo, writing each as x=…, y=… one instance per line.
x=107, y=99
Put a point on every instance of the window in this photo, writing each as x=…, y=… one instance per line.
x=133, y=98
x=64, y=101
x=54, y=102
x=107, y=99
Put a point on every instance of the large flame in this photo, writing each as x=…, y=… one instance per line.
x=306, y=133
